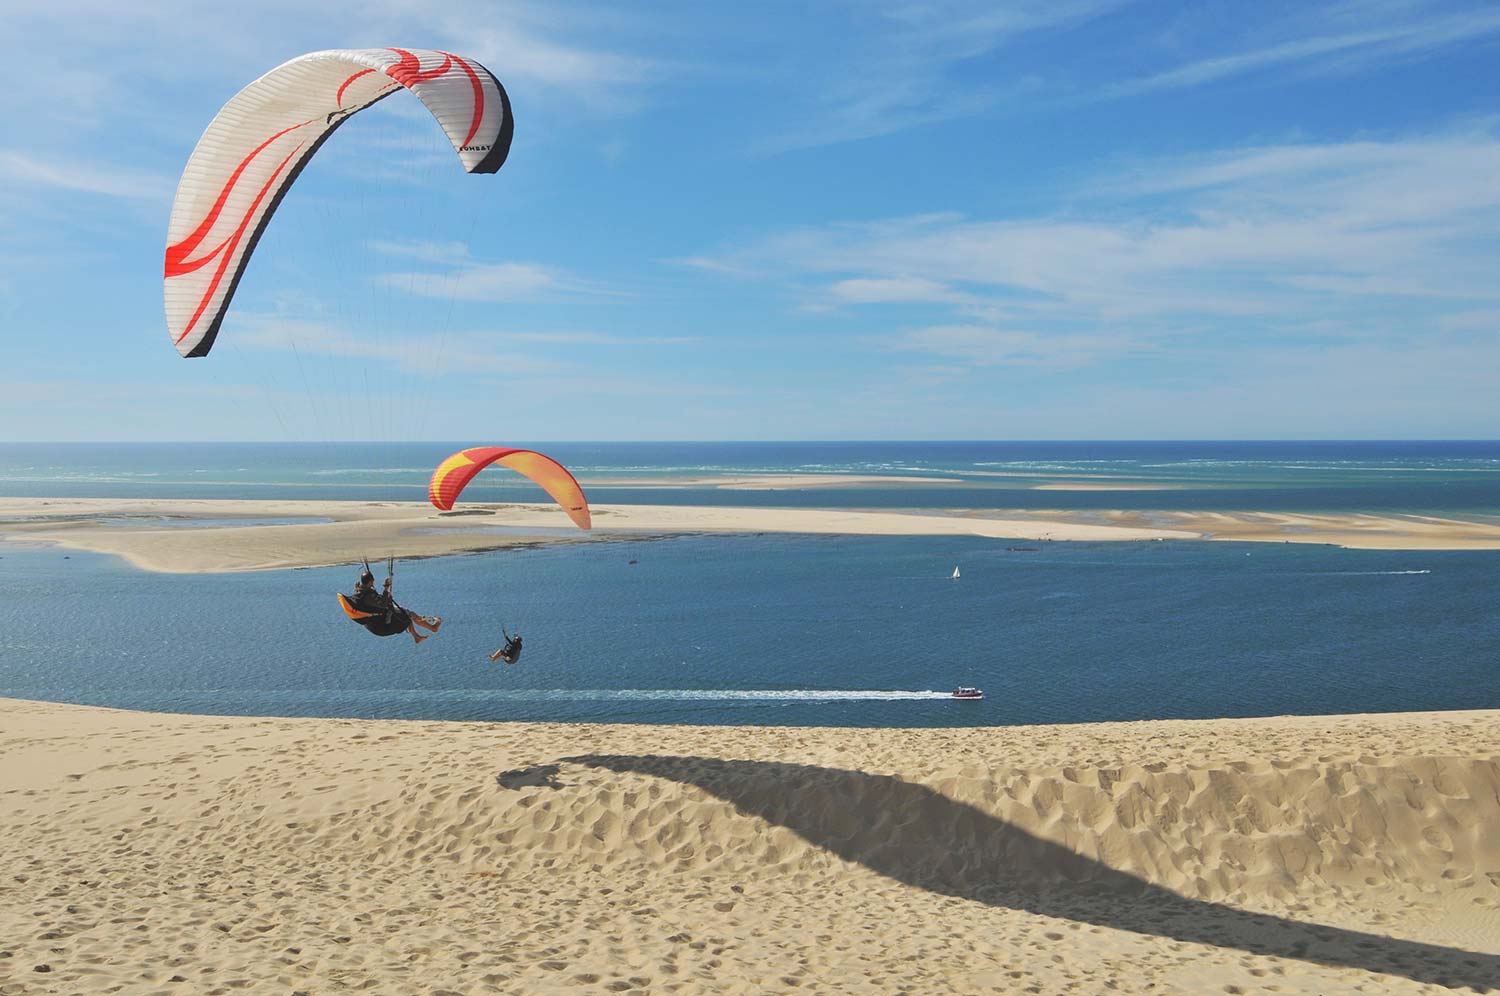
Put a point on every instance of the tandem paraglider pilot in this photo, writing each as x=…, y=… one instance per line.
x=378, y=612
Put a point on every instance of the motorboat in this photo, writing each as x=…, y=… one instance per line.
x=968, y=692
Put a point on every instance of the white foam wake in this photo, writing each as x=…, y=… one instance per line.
x=619, y=694
x=553, y=694
x=709, y=694
x=1364, y=574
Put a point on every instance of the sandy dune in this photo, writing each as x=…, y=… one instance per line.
x=133, y=528
x=144, y=853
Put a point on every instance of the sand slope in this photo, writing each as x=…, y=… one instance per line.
x=147, y=853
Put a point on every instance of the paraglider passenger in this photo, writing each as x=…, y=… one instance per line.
x=511, y=652
x=367, y=599
x=430, y=623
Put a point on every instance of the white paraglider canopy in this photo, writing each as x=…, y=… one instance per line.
x=256, y=145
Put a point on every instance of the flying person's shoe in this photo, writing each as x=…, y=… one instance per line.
x=435, y=622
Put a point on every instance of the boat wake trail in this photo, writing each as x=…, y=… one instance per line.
x=1361, y=574
x=642, y=694
x=717, y=694
x=355, y=698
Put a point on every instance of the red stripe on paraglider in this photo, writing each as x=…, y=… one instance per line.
x=340, y=98
x=408, y=71
x=408, y=65
x=232, y=241
x=176, y=259
x=454, y=473
x=478, y=99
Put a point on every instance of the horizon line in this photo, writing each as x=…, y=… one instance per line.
x=780, y=442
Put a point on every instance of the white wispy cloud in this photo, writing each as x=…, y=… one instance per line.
x=68, y=173
x=903, y=65
x=462, y=351
x=481, y=282
x=426, y=251
x=1273, y=239
x=85, y=410
x=464, y=278
x=630, y=390
x=1441, y=173
x=597, y=338
x=991, y=346
x=1414, y=32
x=1406, y=210
x=1386, y=285
x=606, y=80
x=427, y=354
x=1486, y=320
x=889, y=290
x=711, y=265
x=520, y=40
x=897, y=69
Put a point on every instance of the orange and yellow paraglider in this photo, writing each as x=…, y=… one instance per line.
x=454, y=473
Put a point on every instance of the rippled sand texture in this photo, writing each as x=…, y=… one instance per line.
x=147, y=853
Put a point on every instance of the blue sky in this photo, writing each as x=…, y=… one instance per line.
x=843, y=220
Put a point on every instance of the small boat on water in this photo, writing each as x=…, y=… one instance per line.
x=968, y=692
x=955, y=574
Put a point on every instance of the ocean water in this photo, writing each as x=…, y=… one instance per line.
x=1438, y=477
x=859, y=631
x=794, y=630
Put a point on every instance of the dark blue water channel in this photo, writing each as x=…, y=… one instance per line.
x=847, y=631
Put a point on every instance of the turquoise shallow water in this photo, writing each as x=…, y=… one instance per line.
x=1307, y=476
x=859, y=631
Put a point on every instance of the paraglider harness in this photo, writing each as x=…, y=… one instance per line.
x=512, y=651
x=377, y=611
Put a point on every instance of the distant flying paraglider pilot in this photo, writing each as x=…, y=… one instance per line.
x=378, y=611
x=511, y=652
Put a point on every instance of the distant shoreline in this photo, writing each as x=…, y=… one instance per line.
x=139, y=530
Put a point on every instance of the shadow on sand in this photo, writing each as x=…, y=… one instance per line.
x=537, y=774
x=918, y=836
